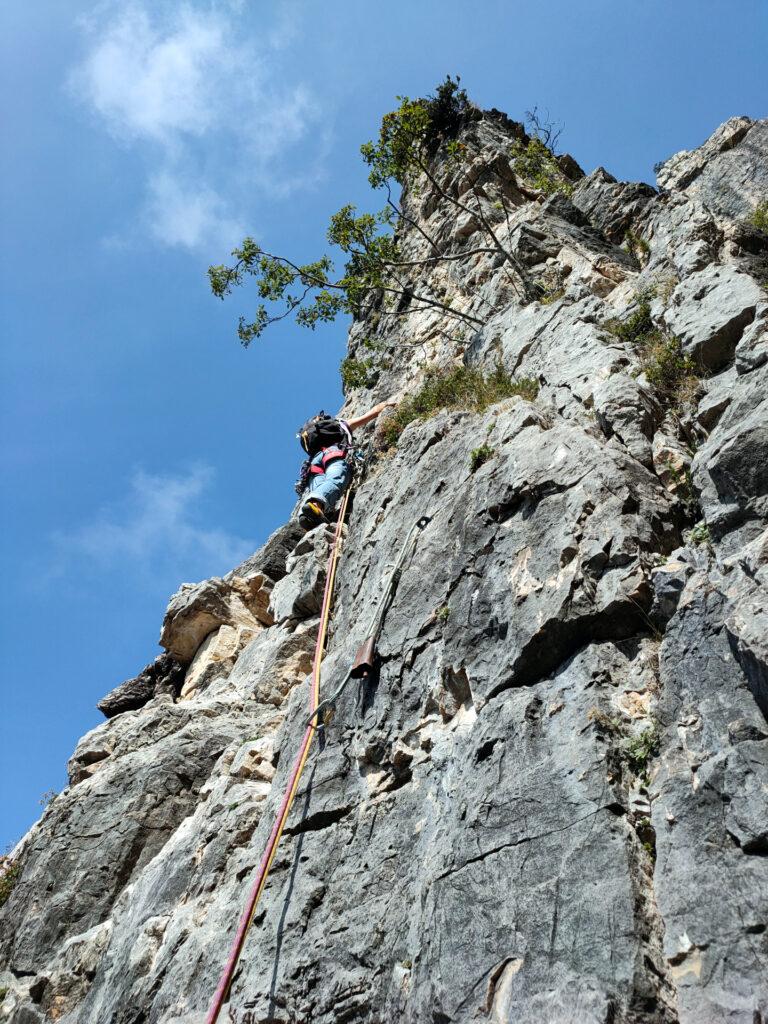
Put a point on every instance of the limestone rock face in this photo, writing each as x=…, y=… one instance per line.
x=549, y=804
x=196, y=610
x=728, y=173
x=710, y=310
x=215, y=658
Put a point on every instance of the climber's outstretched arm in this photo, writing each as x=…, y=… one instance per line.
x=360, y=421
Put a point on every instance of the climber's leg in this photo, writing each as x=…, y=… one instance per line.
x=329, y=486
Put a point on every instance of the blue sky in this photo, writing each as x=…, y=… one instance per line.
x=142, y=445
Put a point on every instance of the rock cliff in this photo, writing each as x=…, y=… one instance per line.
x=551, y=804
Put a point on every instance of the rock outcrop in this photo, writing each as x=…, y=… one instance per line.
x=550, y=803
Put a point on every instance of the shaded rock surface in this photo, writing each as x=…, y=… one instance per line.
x=550, y=803
x=164, y=675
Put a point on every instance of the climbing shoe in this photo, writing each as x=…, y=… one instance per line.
x=312, y=514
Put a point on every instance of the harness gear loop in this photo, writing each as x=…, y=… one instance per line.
x=227, y=975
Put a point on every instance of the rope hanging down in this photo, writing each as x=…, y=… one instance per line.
x=268, y=856
x=365, y=659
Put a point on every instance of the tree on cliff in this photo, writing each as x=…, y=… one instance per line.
x=416, y=142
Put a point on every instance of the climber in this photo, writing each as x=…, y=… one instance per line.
x=327, y=472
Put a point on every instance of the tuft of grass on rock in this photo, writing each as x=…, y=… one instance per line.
x=670, y=372
x=356, y=373
x=461, y=387
x=538, y=165
x=759, y=216
x=637, y=326
x=602, y=721
x=479, y=456
x=637, y=247
x=700, y=536
x=664, y=285
x=8, y=881
x=637, y=751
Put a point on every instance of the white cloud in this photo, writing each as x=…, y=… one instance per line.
x=207, y=106
x=147, y=82
x=180, y=214
x=153, y=531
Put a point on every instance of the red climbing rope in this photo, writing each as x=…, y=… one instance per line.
x=228, y=973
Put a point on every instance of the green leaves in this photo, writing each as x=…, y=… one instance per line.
x=373, y=267
x=302, y=289
x=759, y=216
x=408, y=134
x=672, y=374
x=536, y=163
x=402, y=136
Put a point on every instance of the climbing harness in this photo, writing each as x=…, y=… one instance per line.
x=365, y=658
x=356, y=459
x=268, y=856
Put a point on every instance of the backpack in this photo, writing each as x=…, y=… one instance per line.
x=323, y=431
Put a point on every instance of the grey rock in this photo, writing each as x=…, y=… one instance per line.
x=270, y=560
x=669, y=581
x=612, y=206
x=727, y=172
x=299, y=594
x=717, y=398
x=709, y=815
x=548, y=803
x=111, y=824
x=730, y=473
x=752, y=349
x=709, y=312
x=631, y=412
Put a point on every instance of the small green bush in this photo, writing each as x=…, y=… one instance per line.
x=8, y=880
x=462, y=387
x=549, y=297
x=668, y=369
x=664, y=285
x=356, y=373
x=672, y=374
x=683, y=488
x=636, y=326
x=443, y=613
x=637, y=751
x=700, y=536
x=637, y=247
x=602, y=721
x=759, y=216
x=479, y=456
x=537, y=164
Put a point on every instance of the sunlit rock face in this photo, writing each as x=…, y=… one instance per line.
x=550, y=803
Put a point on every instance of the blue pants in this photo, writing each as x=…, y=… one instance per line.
x=330, y=485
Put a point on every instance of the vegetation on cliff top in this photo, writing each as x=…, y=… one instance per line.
x=376, y=274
